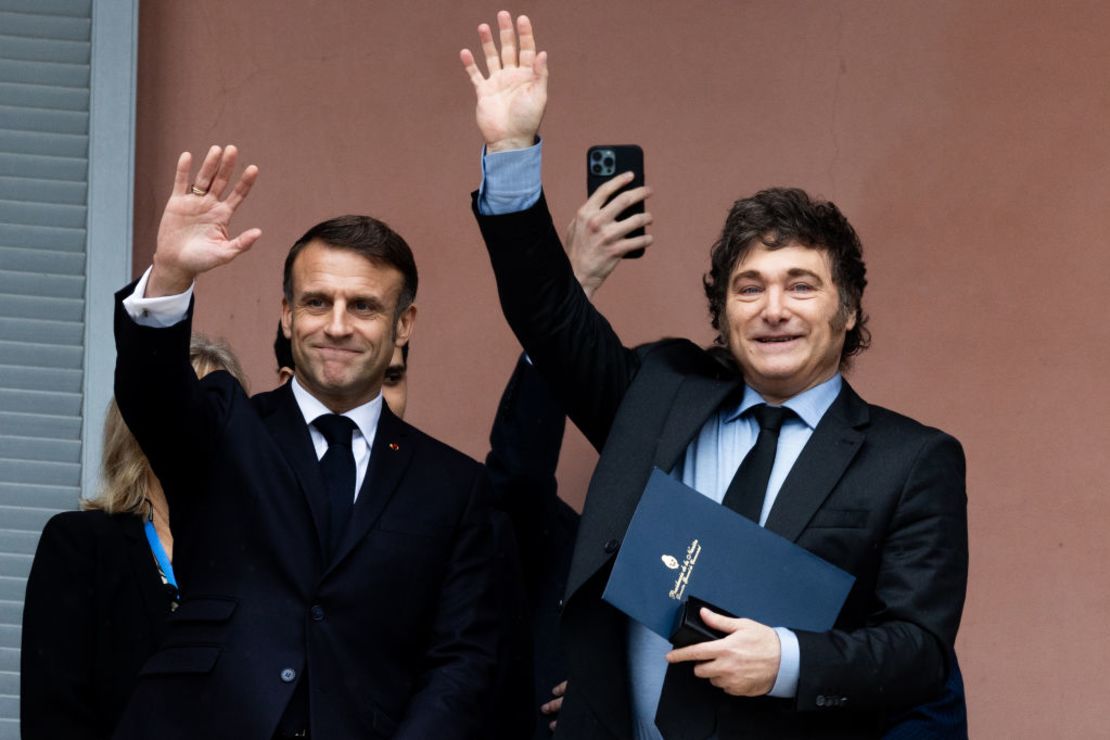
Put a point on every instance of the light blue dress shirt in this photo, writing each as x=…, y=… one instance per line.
x=512, y=182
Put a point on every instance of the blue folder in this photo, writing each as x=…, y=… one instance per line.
x=680, y=543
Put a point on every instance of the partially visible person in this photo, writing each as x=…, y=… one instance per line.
x=394, y=387
x=525, y=441
x=101, y=587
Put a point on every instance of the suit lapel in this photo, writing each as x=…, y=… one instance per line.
x=287, y=425
x=834, y=444
x=697, y=397
x=389, y=457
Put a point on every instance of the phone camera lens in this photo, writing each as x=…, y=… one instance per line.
x=595, y=156
x=596, y=169
x=609, y=162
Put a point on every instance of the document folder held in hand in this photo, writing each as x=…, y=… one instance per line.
x=681, y=543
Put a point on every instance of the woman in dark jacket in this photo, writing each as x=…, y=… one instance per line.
x=100, y=589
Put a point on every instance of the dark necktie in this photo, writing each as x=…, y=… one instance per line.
x=688, y=704
x=338, y=468
x=748, y=488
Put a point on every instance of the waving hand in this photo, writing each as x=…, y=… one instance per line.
x=193, y=236
x=512, y=98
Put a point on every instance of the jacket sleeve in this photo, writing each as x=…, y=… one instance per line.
x=174, y=417
x=570, y=342
x=900, y=658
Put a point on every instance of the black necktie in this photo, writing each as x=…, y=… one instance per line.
x=748, y=488
x=338, y=468
x=688, y=704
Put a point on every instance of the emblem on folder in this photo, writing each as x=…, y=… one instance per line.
x=687, y=569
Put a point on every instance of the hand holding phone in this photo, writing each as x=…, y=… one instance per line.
x=603, y=163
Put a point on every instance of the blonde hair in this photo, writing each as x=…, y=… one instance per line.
x=125, y=472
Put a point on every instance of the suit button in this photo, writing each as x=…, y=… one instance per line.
x=843, y=700
x=820, y=700
x=288, y=675
x=611, y=546
x=317, y=613
x=559, y=606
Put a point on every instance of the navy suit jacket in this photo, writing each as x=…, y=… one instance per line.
x=873, y=492
x=395, y=633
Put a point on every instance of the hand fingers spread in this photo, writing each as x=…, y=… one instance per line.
x=560, y=689
x=181, y=176
x=508, y=39
x=471, y=66
x=243, y=187
x=527, y=41
x=208, y=169
x=489, y=49
x=223, y=174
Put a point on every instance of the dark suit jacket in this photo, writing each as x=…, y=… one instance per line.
x=95, y=610
x=395, y=633
x=524, y=453
x=874, y=493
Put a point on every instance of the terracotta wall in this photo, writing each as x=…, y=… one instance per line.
x=966, y=140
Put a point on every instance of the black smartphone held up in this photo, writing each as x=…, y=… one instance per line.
x=606, y=162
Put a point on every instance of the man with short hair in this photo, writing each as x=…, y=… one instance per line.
x=334, y=561
x=868, y=490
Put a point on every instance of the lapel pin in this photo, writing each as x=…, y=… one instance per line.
x=394, y=446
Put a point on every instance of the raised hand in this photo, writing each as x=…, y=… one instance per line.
x=596, y=241
x=512, y=99
x=193, y=235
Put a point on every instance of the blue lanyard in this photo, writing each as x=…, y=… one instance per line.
x=159, y=553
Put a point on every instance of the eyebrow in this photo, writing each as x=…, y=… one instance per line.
x=793, y=272
x=373, y=301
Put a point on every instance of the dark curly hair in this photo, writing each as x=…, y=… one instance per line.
x=778, y=217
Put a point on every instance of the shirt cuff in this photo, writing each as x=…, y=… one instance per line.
x=157, y=312
x=511, y=181
x=786, y=684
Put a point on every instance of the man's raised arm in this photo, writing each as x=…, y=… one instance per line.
x=570, y=342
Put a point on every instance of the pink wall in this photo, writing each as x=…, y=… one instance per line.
x=966, y=140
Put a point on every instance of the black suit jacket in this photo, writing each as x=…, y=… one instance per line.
x=524, y=453
x=873, y=492
x=95, y=610
x=395, y=633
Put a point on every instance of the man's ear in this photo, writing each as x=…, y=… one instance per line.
x=851, y=322
x=402, y=330
x=286, y=319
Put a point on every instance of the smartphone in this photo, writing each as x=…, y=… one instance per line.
x=604, y=162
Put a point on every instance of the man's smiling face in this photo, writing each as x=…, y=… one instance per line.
x=342, y=324
x=783, y=319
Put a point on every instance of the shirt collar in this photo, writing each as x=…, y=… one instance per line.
x=365, y=416
x=810, y=405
